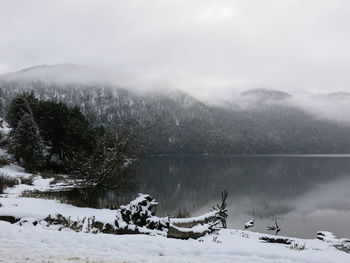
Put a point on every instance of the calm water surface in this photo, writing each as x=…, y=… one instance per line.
x=308, y=193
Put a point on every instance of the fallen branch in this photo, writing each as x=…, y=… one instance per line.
x=217, y=214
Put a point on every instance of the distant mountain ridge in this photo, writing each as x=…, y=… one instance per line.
x=173, y=122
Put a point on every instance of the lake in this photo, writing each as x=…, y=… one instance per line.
x=307, y=192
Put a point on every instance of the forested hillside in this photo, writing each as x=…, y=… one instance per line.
x=173, y=122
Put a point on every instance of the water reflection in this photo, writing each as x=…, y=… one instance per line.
x=309, y=193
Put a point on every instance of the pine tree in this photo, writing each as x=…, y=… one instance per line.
x=24, y=103
x=26, y=144
x=64, y=129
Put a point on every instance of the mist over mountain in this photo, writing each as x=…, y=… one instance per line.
x=265, y=94
x=170, y=121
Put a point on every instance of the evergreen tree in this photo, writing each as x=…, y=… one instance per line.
x=26, y=144
x=24, y=103
x=64, y=129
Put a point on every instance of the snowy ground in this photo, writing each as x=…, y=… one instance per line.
x=39, y=244
x=27, y=244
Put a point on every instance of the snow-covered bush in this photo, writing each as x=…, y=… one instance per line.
x=6, y=181
x=4, y=160
x=112, y=163
x=4, y=131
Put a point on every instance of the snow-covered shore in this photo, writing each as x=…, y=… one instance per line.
x=30, y=243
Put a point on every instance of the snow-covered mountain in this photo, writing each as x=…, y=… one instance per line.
x=170, y=121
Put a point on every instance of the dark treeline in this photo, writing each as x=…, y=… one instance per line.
x=52, y=137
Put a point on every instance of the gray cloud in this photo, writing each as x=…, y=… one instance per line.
x=201, y=46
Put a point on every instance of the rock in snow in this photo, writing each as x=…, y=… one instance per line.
x=249, y=224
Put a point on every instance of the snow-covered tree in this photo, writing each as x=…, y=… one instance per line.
x=20, y=105
x=111, y=163
x=26, y=144
x=111, y=166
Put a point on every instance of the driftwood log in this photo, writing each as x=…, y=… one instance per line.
x=138, y=217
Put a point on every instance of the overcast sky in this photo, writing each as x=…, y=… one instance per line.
x=202, y=46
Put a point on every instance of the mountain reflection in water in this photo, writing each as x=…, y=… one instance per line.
x=308, y=193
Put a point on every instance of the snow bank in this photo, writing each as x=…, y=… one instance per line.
x=40, y=208
x=29, y=244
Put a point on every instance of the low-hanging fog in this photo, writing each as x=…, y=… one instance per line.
x=213, y=50
x=334, y=106
x=199, y=45
x=329, y=105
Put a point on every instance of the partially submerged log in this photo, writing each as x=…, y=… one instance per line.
x=138, y=217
